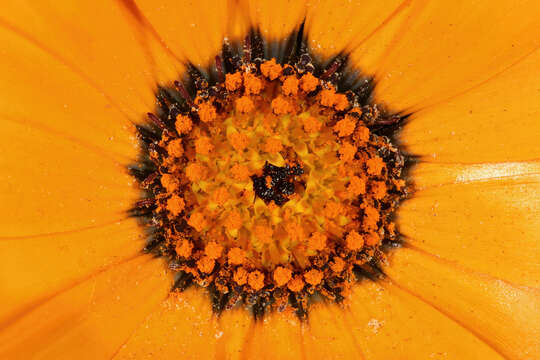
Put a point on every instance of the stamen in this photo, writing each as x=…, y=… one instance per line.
x=273, y=186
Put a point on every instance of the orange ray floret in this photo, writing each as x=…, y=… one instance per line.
x=313, y=276
x=371, y=217
x=244, y=105
x=332, y=209
x=271, y=69
x=378, y=189
x=183, y=124
x=256, y=280
x=207, y=112
x=282, y=275
x=295, y=231
x=354, y=241
x=233, y=82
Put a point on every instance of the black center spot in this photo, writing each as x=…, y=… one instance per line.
x=276, y=183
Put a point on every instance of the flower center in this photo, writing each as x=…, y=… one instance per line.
x=271, y=187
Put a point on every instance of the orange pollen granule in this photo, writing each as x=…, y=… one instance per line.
x=203, y=145
x=264, y=233
x=236, y=256
x=282, y=275
x=309, y=83
x=345, y=127
x=207, y=112
x=197, y=221
x=357, y=186
x=375, y=166
x=354, y=240
x=312, y=125
x=313, y=277
x=240, y=172
x=272, y=145
x=256, y=280
x=252, y=84
x=272, y=186
x=220, y=195
x=317, y=241
x=244, y=104
x=239, y=141
x=175, y=204
x=240, y=276
x=281, y=106
x=183, y=124
x=206, y=264
x=233, y=82
x=271, y=69
x=290, y=85
x=347, y=152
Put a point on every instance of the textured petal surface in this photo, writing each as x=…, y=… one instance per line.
x=445, y=48
x=125, y=64
x=92, y=319
x=483, y=217
x=389, y=323
x=500, y=314
x=494, y=122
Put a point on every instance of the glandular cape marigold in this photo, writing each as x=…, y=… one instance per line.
x=271, y=145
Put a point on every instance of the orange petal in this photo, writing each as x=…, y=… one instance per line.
x=329, y=335
x=54, y=185
x=333, y=27
x=277, y=336
x=501, y=315
x=124, y=64
x=183, y=326
x=389, y=323
x=92, y=319
x=496, y=121
x=34, y=269
x=276, y=19
x=446, y=48
x=483, y=217
x=194, y=31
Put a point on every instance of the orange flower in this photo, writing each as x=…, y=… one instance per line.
x=78, y=77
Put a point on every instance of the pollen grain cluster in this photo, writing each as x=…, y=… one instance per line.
x=270, y=186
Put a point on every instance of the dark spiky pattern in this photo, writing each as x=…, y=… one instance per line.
x=172, y=101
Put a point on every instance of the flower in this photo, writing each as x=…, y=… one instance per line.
x=75, y=79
